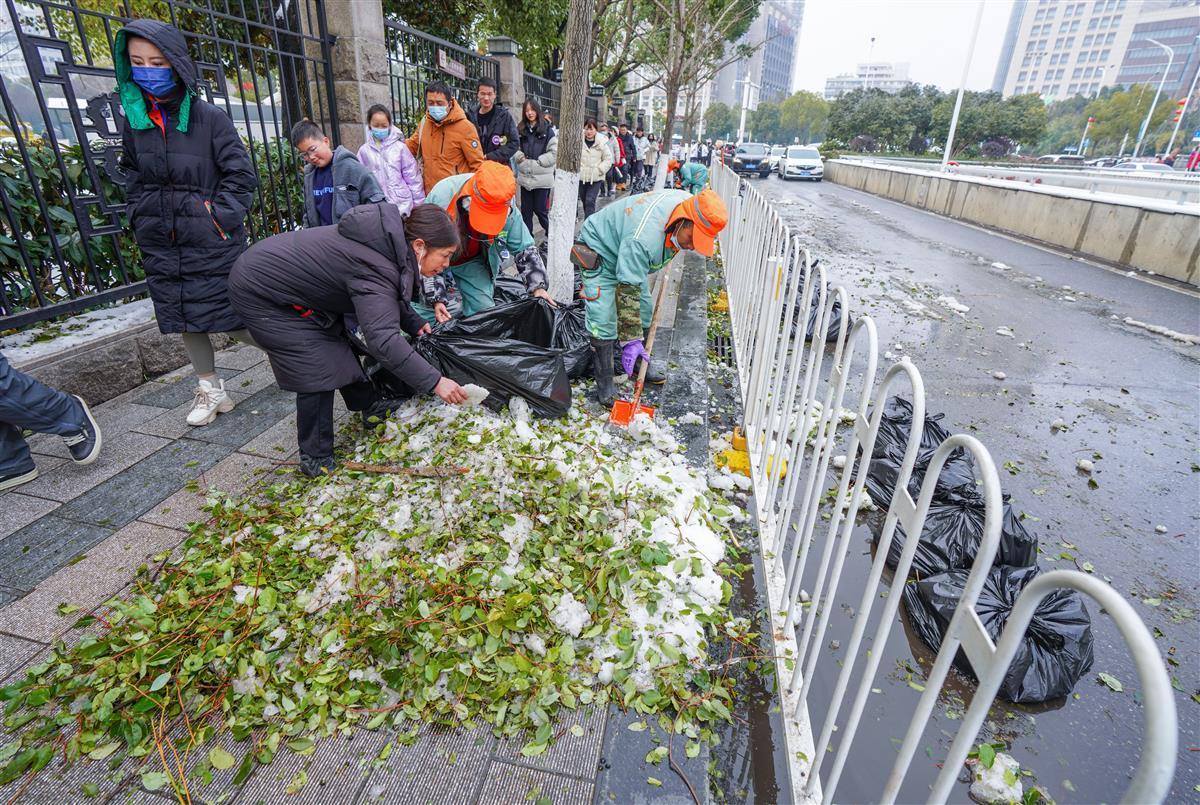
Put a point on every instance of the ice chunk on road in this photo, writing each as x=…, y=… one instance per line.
x=691, y=418
x=953, y=304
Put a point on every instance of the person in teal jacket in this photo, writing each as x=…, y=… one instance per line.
x=693, y=177
x=632, y=239
x=492, y=233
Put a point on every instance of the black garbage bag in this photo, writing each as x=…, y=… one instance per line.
x=952, y=534
x=1055, y=652
x=958, y=473
x=508, y=289
x=570, y=334
x=835, y=323
x=507, y=350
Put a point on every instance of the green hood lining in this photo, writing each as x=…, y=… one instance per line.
x=133, y=100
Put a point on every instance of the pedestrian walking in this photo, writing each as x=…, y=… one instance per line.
x=535, y=164
x=630, y=164
x=622, y=245
x=492, y=120
x=593, y=167
x=388, y=159
x=652, y=151
x=491, y=233
x=28, y=404
x=445, y=142
x=642, y=145
x=189, y=185
x=293, y=290
x=335, y=181
x=1193, y=162
x=614, y=148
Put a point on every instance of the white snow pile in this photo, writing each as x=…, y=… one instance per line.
x=570, y=616
x=952, y=304
x=1157, y=329
x=691, y=418
x=1000, y=784
x=644, y=623
x=48, y=339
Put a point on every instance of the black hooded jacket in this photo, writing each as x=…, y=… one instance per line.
x=190, y=184
x=362, y=266
x=498, y=138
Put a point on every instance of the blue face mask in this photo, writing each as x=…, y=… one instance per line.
x=380, y=134
x=675, y=242
x=439, y=112
x=158, y=81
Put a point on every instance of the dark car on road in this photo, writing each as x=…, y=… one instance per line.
x=752, y=158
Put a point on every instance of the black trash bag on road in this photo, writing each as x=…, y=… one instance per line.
x=835, y=322
x=884, y=468
x=953, y=532
x=570, y=334
x=1055, y=652
x=507, y=350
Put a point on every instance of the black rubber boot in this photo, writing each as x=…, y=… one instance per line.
x=602, y=369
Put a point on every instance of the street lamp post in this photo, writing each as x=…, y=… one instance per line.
x=1137, y=149
x=1083, y=139
x=746, y=85
x=962, y=87
x=1187, y=99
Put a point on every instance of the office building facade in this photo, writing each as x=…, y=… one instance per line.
x=1061, y=48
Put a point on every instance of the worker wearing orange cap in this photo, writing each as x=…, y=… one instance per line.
x=632, y=239
x=692, y=177
x=491, y=232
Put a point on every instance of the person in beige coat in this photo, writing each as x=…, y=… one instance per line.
x=597, y=159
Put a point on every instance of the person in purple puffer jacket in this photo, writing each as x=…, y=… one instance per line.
x=389, y=160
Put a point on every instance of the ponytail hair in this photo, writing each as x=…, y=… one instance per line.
x=430, y=223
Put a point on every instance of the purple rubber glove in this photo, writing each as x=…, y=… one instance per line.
x=630, y=353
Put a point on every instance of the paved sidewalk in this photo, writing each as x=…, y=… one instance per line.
x=77, y=535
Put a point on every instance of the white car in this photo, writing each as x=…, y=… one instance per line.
x=802, y=162
x=776, y=157
x=1151, y=167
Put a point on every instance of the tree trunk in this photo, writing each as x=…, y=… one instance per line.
x=577, y=54
x=671, y=88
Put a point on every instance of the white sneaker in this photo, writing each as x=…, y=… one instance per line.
x=210, y=400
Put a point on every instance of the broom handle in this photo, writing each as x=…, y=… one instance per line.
x=658, y=297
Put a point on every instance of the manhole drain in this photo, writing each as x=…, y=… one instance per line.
x=722, y=348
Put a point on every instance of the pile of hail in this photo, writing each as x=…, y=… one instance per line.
x=477, y=567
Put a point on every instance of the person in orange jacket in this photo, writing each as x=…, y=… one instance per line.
x=445, y=142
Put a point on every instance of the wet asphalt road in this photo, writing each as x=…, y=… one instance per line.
x=1131, y=402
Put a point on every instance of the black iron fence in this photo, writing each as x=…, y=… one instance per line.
x=547, y=93
x=416, y=58
x=64, y=240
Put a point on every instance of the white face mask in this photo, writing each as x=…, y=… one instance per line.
x=675, y=242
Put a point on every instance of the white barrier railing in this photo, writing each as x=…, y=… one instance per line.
x=792, y=409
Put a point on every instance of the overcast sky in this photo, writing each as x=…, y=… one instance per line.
x=931, y=35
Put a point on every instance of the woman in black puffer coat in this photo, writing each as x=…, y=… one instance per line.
x=190, y=184
x=294, y=289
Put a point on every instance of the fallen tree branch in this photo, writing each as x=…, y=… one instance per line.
x=394, y=469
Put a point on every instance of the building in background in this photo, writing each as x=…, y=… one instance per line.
x=891, y=77
x=1176, y=25
x=1059, y=49
x=775, y=32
